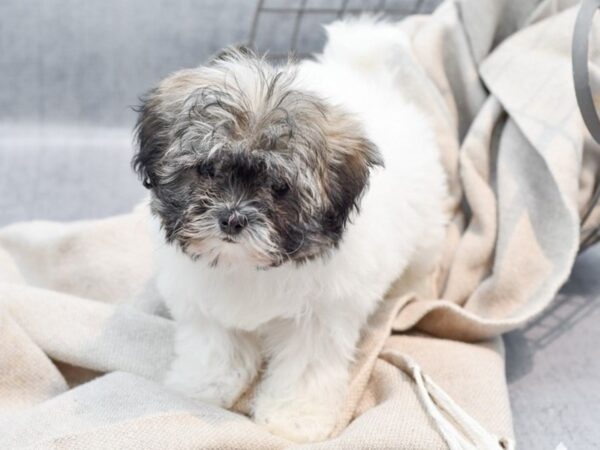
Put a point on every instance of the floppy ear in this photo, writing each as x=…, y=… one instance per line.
x=152, y=136
x=352, y=156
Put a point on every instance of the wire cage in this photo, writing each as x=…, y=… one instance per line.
x=298, y=23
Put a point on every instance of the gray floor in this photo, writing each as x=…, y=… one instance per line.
x=553, y=366
x=69, y=71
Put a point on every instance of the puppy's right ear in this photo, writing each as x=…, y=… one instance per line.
x=152, y=137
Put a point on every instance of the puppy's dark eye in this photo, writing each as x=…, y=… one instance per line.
x=280, y=188
x=206, y=169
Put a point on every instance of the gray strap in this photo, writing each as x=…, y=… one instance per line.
x=581, y=75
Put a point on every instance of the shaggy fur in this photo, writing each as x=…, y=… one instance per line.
x=240, y=135
x=290, y=199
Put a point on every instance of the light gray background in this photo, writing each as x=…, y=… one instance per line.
x=70, y=70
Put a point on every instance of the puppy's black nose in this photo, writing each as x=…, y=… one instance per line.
x=232, y=222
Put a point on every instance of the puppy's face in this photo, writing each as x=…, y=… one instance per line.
x=245, y=165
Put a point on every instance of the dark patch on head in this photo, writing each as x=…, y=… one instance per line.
x=243, y=168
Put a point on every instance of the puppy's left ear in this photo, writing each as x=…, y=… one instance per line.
x=152, y=136
x=352, y=156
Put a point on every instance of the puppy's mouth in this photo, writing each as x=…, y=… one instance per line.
x=227, y=251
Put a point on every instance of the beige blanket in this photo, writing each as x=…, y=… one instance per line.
x=495, y=76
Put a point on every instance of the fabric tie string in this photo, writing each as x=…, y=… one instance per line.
x=438, y=404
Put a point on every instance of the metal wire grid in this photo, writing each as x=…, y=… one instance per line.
x=295, y=13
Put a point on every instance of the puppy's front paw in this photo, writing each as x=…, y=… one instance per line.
x=218, y=389
x=300, y=420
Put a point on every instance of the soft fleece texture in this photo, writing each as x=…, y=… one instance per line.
x=521, y=167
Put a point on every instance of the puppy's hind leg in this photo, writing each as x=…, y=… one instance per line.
x=212, y=363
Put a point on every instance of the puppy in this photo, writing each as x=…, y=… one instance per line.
x=287, y=200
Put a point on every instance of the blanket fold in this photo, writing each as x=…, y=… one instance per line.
x=80, y=364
